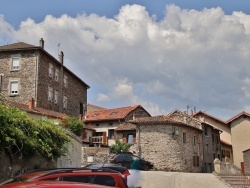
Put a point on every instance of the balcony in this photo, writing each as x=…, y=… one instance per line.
x=98, y=140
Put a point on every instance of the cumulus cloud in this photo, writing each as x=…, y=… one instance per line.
x=190, y=57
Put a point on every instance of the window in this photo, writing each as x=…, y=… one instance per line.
x=206, y=132
x=65, y=81
x=130, y=139
x=14, y=88
x=194, y=140
x=110, y=124
x=57, y=75
x=217, y=139
x=15, y=63
x=50, y=94
x=196, y=161
x=111, y=133
x=65, y=102
x=56, y=97
x=184, y=137
x=50, y=70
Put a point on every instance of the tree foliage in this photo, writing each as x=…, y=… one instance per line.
x=19, y=134
x=74, y=125
x=119, y=146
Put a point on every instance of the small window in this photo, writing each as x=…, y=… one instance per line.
x=15, y=63
x=65, y=102
x=206, y=131
x=57, y=75
x=50, y=70
x=207, y=151
x=94, y=115
x=65, y=81
x=130, y=139
x=110, y=124
x=111, y=133
x=113, y=113
x=194, y=140
x=56, y=97
x=50, y=94
x=14, y=88
x=97, y=125
x=184, y=137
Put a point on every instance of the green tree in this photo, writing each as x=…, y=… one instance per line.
x=19, y=134
x=74, y=125
x=119, y=146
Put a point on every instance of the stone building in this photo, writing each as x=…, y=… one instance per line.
x=210, y=138
x=225, y=136
x=105, y=122
x=29, y=72
x=169, y=144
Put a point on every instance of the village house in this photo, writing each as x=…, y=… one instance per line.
x=225, y=136
x=210, y=138
x=106, y=121
x=169, y=144
x=240, y=133
x=28, y=71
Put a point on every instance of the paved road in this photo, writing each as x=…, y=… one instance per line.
x=159, y=179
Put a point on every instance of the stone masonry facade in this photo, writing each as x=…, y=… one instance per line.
x=171, y=152
x=34, y=81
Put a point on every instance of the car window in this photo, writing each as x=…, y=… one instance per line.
x=97, y=179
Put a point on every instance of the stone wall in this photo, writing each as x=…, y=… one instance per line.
x=167, y=151
x=246, y=158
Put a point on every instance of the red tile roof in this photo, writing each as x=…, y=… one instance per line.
x=111, y=114
x=39, y=111
x=224, y=142
x=17, y=46
x=237, y=116
x=126, y=127
x=159, y=120
x=208, y=115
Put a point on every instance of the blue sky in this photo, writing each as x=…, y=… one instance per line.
x=16, y=11
x=163, y=55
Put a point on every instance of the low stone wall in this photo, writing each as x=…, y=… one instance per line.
x=13, y=165
x=246, y=158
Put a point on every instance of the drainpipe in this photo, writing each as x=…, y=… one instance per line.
x=139, y=140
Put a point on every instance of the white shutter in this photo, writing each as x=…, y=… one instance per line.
x=14, y=87
x=15, y=63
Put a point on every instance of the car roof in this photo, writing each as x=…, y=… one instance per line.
x=53, y=184
x=111, y=166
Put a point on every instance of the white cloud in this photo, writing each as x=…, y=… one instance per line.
x=190, y=57
x=102, y=97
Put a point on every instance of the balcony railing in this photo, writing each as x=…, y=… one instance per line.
x=98, y=140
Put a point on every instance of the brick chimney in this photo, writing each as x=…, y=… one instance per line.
x=42, y=43
x=80, y=117
x=31, y=104
x=61, y=57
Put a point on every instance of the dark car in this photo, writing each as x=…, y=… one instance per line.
x=105, y=177
x=129, y=160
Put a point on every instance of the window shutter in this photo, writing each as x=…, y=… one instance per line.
x=124, y=138
x=115, y=135
x=84, y=135
x=134, y=138
x=104, y=135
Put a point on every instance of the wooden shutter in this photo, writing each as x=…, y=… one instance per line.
x=134, y=138
x=84, y=134
x=104, y=138
x=124, y=138
x=115, y=134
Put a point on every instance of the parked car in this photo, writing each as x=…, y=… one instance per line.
x=123, y=170
x=51, y=184
x=106, y=177
x=129, y=160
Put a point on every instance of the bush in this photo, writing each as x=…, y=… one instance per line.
x=119, y=146
x=74, y=125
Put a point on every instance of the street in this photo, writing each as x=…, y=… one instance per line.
x=159, y=179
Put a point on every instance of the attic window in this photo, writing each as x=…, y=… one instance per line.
x=95, y=115
x=113, y=113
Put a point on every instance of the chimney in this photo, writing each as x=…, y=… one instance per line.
x=80, y=117
x=42, y=43
x=61, y=57
x=31, y=104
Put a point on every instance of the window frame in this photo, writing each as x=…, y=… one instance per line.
x=65, y=81
x=65, y=102
x=57, y=75
x=50, y=94
x=51, y=70
x=12, y=63
x=56, y=97
x=17, y=92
